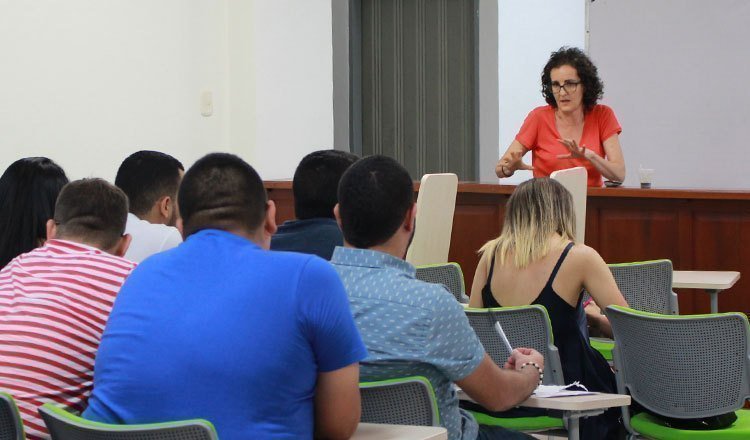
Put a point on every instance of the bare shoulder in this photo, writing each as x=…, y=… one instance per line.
x=582, y=254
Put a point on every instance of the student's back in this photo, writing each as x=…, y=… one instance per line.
x=204, y=331
x=221, y=329
x=534, y=261
x=55, y=300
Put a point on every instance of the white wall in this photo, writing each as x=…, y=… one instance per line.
x=287, y=104
x=87, y=82
x=529, y=31
x=676, y=73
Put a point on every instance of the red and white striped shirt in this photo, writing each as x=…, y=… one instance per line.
x=54, y=303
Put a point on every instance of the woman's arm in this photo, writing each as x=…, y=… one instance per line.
x=612, y=167
x=512, y=160
x=601, y=285
x=480, y=278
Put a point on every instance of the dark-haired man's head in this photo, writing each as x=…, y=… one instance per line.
x=376, y=205
x=150, y=179
x=92, y=212
x=316, y=182
x=222, y=191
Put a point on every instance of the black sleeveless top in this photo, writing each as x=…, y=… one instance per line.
x=579, y=361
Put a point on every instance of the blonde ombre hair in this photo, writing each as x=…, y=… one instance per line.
x=537, y=210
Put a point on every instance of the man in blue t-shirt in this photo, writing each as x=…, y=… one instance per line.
x=314, y=231
x=261, y=344
x=411, y=327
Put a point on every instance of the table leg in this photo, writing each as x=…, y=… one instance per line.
x=714, y=300
x=574, y=417
x=573, y=433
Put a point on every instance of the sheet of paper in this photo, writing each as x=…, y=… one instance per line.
x=574, y=389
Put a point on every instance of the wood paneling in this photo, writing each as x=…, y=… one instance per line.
x=697, y=230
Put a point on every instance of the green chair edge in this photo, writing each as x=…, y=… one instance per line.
x=61, y=413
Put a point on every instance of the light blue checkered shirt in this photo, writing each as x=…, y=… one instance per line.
x=410, y=328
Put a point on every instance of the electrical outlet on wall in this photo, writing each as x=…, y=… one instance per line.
x=207, y=103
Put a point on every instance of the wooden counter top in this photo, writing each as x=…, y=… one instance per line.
x=622, y=191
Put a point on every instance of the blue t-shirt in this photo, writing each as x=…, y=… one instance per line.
x=317, y=236
x=411, y=328
x=220, y=329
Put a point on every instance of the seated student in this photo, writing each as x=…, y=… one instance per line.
x=150, y=179
x=54, y=301
x=536, y=261
x=315, y=183
x=262, y=344
x=28, y=190
x=411, y=327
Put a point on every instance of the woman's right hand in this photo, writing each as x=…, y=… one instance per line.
x=512, y=161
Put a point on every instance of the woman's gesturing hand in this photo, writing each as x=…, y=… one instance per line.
x=575, y=152
x=510, y=163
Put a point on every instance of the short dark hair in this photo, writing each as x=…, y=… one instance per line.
x=146, y=176
x=28, y=190
x=221, y=191
x=316, y=181
x=93, y=210
x=375, y=195
x=593, y=88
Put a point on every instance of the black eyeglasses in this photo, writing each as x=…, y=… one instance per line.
x=569, y=86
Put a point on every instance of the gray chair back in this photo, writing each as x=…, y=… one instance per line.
x=689, y=366
x=525, y=326
x=402, y=401
x=63, y=425
x=447, y=274
x=647, y=286
x=11, y=427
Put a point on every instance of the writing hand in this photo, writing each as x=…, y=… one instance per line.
x=523, y=355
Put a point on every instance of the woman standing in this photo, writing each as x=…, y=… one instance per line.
x=572, y=130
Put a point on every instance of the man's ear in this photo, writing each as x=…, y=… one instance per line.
x=165, y=207
x=411, y=218
x=270, y=222
x=122, y=245
x=51, y=229
x=337, y=214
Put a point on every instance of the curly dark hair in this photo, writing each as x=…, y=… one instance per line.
x=593, y=88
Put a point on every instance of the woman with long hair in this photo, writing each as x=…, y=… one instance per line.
x=535, y=260
x=28, y=191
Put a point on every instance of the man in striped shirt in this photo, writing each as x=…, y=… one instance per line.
x=55, y=301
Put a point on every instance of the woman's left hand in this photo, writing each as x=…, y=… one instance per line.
x=576, y=152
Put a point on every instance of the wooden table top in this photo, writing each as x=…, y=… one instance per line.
x=704, y=279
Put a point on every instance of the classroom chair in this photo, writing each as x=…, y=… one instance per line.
x=646, y=286
x=682, y=367
x=447, y=274
x=401, y=401
x=574, y=180
x=11, y=427
x=62, y=425
x=436, y=204
x=525, y=326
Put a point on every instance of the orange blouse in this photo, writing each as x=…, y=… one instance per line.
x=539, y=134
